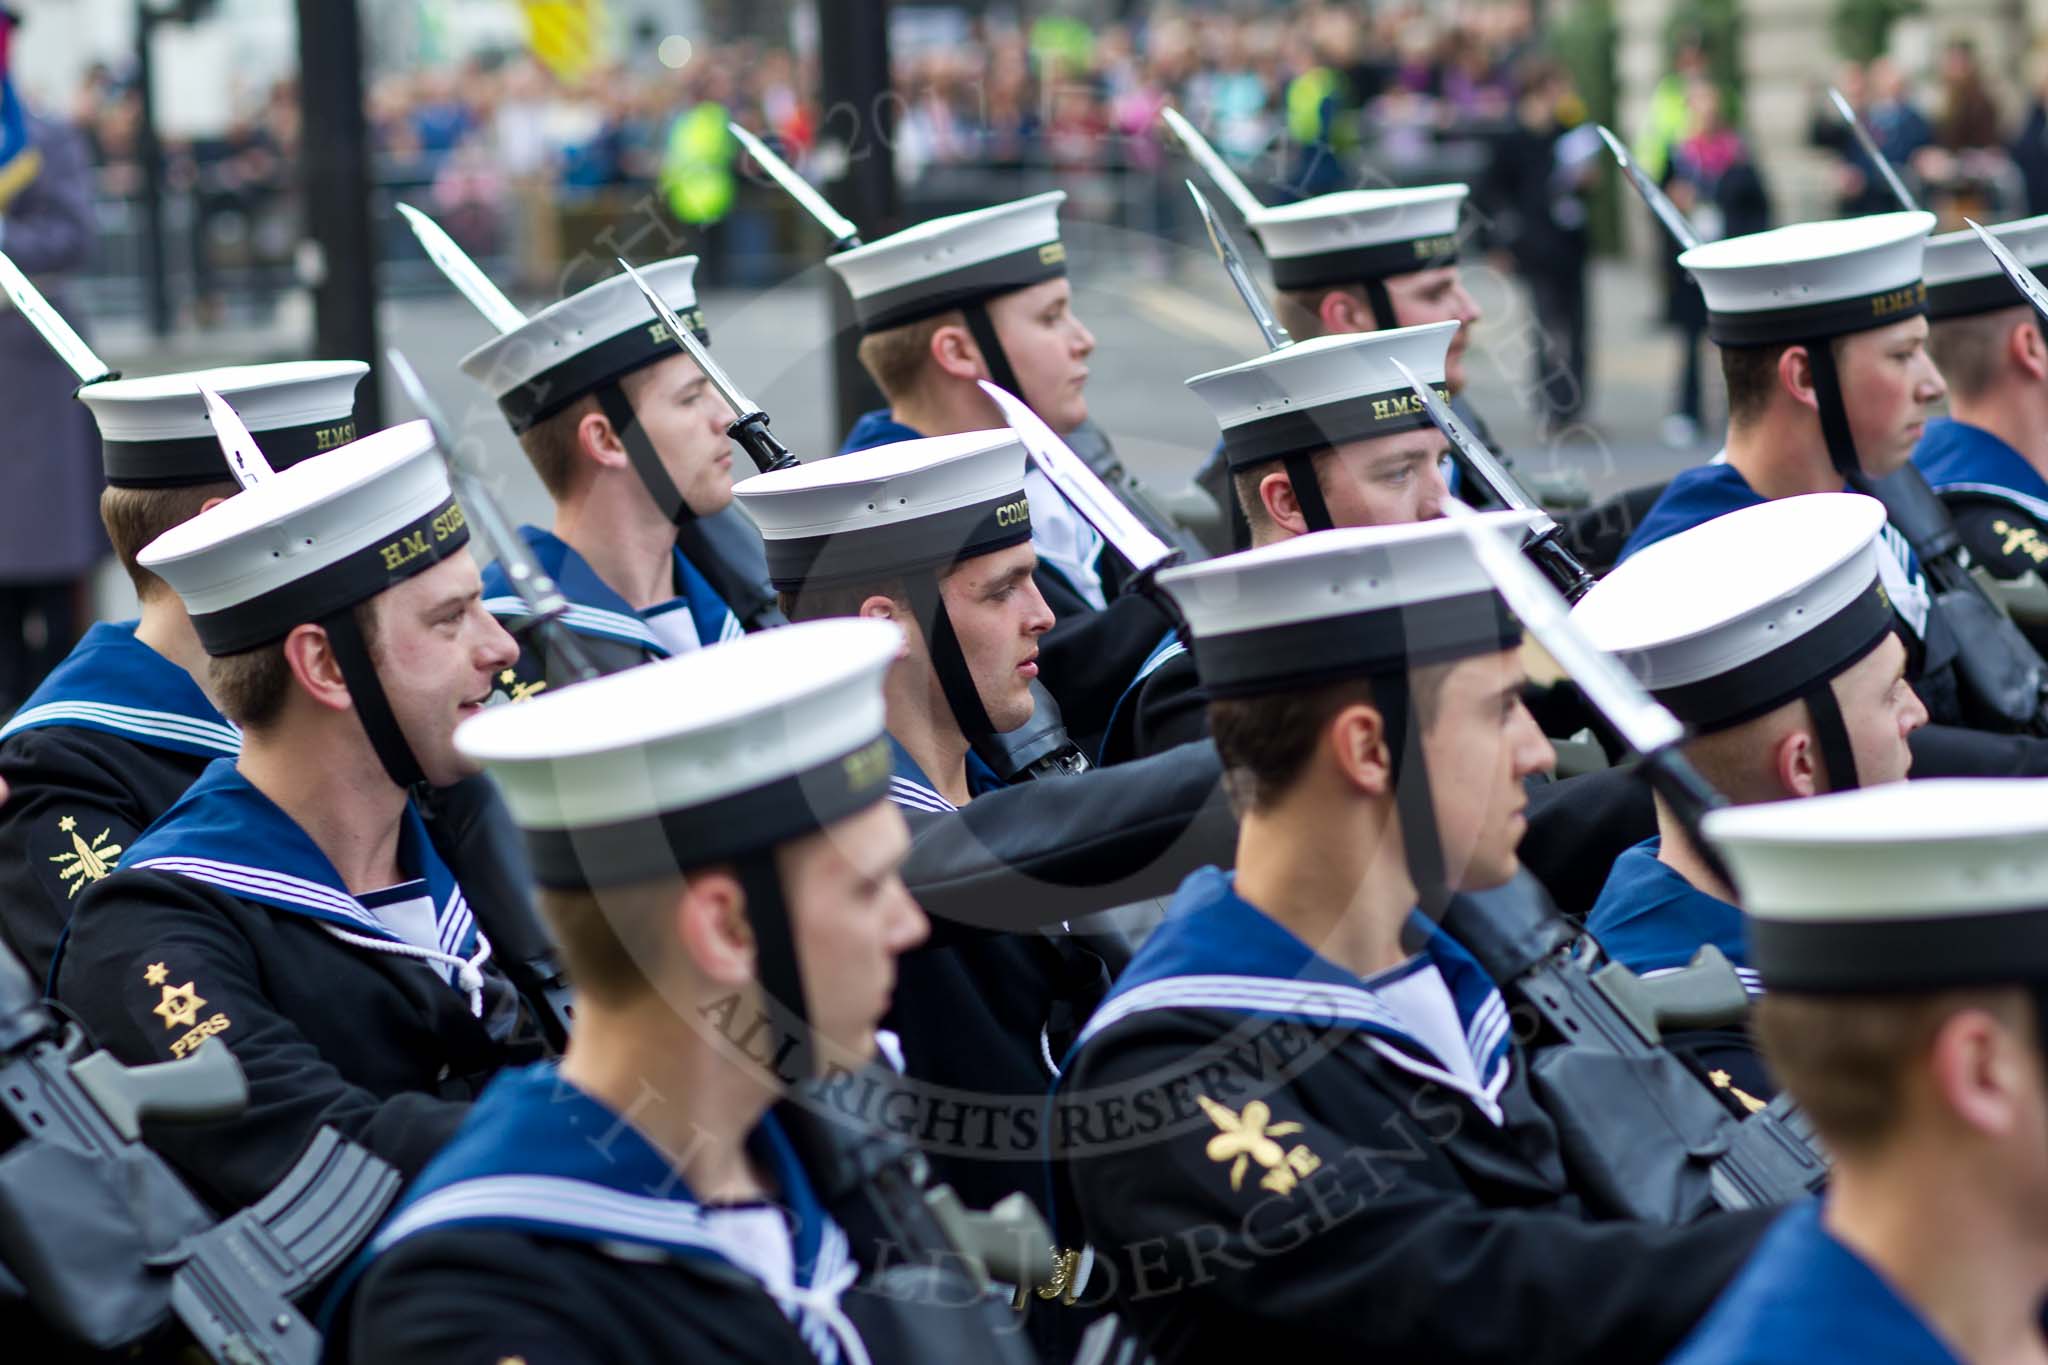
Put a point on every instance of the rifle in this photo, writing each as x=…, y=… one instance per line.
x=468, y=822
x=107, y=1245
x=1643, y=1135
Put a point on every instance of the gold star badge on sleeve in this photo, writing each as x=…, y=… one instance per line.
x=180, y=1006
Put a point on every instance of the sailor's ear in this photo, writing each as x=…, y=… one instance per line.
x=1796, y=759
x=1340, y=311
x=309, y=653
x=1283, y=508
x=598, y=441
x=1795, y=375
x=2026, y=348
x=710, y=919
x=1356, y=739
x=954, y=351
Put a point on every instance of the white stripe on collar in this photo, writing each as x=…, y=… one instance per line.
x=2026, y=502
x=557, y=1201
x=589, y=620
x=238, y=877
x=1152, y=665
x=1317, y=1000
x=905, y=792
x=217, y=735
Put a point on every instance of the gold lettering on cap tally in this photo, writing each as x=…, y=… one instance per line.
x=1427, y=248
x=1052, y=253
x=1016, y=513
x=867, y=767
x=327, y=438
x=413, y=544
x=1899, y=300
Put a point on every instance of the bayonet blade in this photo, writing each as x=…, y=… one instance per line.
x=836, y=224
x=2024, y=279
x=1472, y=450
x=1870, y=149
x=1660, y=203
x=1226, y=251
x=62, y=338
x=1642, y=721
x=245, y=457
x=741, y=405
x=463, y=273
x=1212, y=163
x=1082, y=486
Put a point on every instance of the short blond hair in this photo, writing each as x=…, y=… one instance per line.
x=136, y=516
x=897, y=357
x=554, y=447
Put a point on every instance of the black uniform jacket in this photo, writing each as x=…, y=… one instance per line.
x=1269, y=1165
x=550, y=1231
x=224, y=925
x=113, y=736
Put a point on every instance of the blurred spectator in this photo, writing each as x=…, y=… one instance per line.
x=1714, y=182
x=1541, y=174
x=2030, y=148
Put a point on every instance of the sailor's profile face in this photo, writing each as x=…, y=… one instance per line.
x=1436, y=295
x=1479, y=742
x=686, y=421
x=997, y=615
x=1048, y=347
x=1879, y=710
x=1889, y=386
x=438, y=654
x=1386, y=481
x=851, y=917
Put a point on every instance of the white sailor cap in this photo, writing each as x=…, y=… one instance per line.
x=702, y=758
x=892, y=509
x=1962, y=278
x=312, y=540
x=1316, y=394
x=1741, y=614
x=954, y=261
x=1346, y=603
x=584, y=342
x=1812, y=280
x=154, y=432
x=1357, y=235
x=1910, y=887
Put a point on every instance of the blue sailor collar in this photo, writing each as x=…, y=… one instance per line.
x=1957, y=457
x=114, y=683
x=1170, y=646
x=910, y=788
x=538, y=1154
x=209, y=833
x=1650, y=919
x=876, y=428
x=596, y=610
x=1217, y=951
x=1700, y=494
x=1804, y=1295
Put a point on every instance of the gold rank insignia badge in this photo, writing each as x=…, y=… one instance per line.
x=511, y=689
x=85, y=863
x=1249, y=1136
x=180, y=1006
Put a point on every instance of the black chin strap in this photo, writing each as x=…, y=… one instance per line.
x=1834, y=416
x=1837, y=759
x=611, y=399
x=782, y=979
x=1382, y=306
x=373, y=708
x=983, y=329
x=1308, y=491
x=1393, y=698
x=948, y=662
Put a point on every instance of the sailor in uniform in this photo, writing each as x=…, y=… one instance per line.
x=123, y=725
x=630, y=441
x=1299, y=1126
x=291, y=905
x=1987, y=456
x=1363, y=261
x=1899, y=932
x=936, y=535
x=985, y=295
x=644, y=1200
x=1768, y=633
x=1318, y=434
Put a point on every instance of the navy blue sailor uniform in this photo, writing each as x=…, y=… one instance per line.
x=613, y=634
x=1651, y=920
x=1273, y=1155
x=1998, y=500
x=550, y=1231
x=1806, y=1297
x=108, y=742
x=378, y=1015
